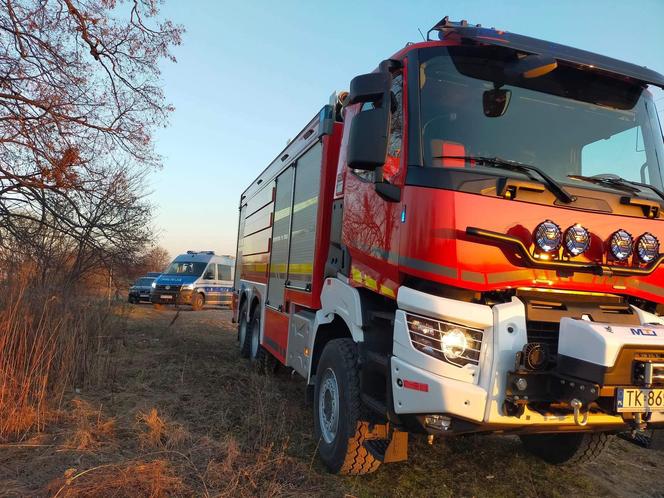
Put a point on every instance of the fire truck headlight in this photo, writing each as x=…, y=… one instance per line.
x=647, y=247
x=548, y=236
x=577, y=240
x=448, y=342
x=453, y=343
x=621, y=245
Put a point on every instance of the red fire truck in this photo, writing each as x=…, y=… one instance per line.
x=466, y=242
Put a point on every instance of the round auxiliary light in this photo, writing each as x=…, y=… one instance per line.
x=621, y=245
x=577, y=240
x=647, y=247
x=453, y=343
x=548, y=236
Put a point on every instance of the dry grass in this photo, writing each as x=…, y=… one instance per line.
x=91, y=429
x=49, y=342
x=184, y=416
x=159, y=432
x=152, y=479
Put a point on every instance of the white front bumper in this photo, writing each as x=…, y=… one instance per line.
x=422, y=384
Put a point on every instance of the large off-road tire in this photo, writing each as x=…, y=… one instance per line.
x=574, y=448
x=338, y=424
x=261, y=359
x=197, y=301
x=243, y=335
x=254, y=333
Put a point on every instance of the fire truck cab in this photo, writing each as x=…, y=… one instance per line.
x=466, y=242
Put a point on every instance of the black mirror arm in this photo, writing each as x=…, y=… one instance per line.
x=388, y=191
x=385, y=189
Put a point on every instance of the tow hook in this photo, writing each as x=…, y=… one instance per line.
x=577, y=405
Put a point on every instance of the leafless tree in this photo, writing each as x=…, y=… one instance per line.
x=80, y=98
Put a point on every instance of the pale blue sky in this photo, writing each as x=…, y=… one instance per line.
x=250, y=75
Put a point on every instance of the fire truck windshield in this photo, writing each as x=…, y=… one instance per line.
x=569, y=122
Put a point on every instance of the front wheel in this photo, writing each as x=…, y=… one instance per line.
x=568, y=448
x=197, y=301
x=337, y=407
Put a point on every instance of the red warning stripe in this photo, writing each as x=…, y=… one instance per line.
x=416, y=386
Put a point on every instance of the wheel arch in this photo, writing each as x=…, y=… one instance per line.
x=326, y=332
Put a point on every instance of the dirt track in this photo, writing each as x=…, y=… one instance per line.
x=183, y=415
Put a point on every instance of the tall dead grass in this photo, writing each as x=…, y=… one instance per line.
x=50, y=341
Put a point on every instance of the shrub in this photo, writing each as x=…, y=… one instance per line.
x=50, y=341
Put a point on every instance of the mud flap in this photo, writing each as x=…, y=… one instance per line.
x=394, y=449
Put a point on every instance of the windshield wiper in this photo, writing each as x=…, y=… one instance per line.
x=615, y=181
x=496, y=162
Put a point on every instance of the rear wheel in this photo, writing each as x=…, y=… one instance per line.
x=197, y=301
x=567, y=448
x=242, y=333
x=254, y=333
x=261, y=359
x=337, y=411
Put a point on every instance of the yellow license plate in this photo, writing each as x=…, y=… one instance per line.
x=640, y=400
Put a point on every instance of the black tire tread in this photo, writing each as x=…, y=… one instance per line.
x=590, y=449
x=245, y=348
x=557, y=449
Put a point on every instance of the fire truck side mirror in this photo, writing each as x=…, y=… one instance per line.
x=367, y=142
x=370, y=87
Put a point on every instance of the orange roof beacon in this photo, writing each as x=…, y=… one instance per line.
x=467, y=241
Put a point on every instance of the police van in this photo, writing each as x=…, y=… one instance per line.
x=196, y=278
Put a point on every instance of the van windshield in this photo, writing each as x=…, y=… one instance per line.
x=144, y=282
x=185, y=268
x=568, y=122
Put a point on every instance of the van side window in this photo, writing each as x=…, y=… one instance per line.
x=223, y=272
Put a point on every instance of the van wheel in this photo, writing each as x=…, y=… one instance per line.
x=197, y=301
x=574, y=448
x=244, y=338
x=337, y=411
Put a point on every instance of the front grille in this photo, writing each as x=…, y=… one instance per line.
x=168, y=288
x=544, y=333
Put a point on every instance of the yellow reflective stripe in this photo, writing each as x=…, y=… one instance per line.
x=387, y=291
x=370, y=282
x=295, y=268
x=283, y=212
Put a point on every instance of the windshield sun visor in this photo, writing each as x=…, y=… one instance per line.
x=562, y=53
